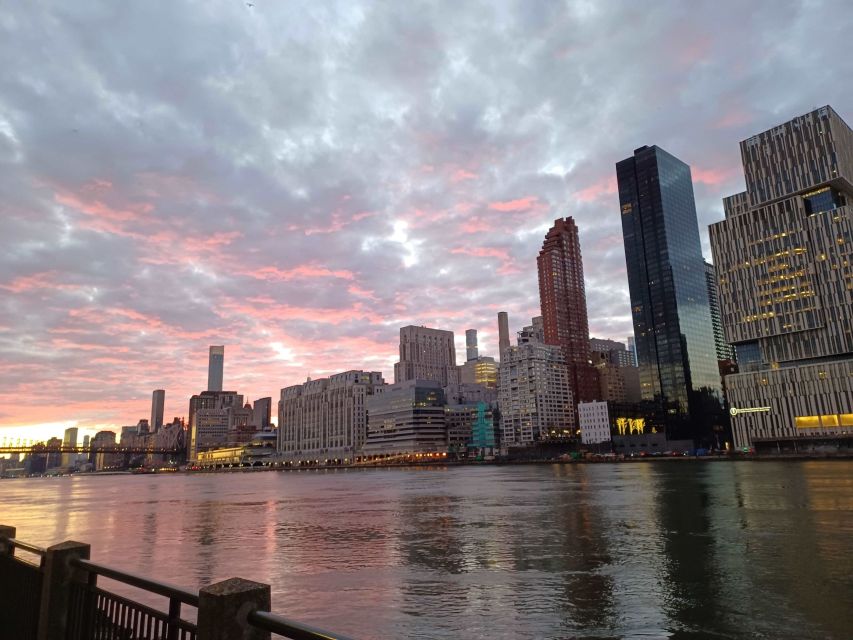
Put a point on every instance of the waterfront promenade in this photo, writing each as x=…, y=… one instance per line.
x=681, y=549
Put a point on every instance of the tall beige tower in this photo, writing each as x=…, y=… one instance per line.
x=503, y=333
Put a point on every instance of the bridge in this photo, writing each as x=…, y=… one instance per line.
x=40, y=448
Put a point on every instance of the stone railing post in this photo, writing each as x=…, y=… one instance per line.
x=223, y=609
x=56, y=587
x=7, y=532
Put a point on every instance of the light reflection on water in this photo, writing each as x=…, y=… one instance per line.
x=666, y=549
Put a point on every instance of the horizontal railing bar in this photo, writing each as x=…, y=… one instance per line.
x=26, y=546
x=273, y=623
x=161, y=588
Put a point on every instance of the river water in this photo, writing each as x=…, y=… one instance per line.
x=678, y=549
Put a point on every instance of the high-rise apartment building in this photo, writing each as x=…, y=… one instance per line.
x=669, y=293
x=406, y=418
x=215, y=366
x=471, y=350
x=503, y=333
x=158, y=401
x=784, y=258
x=534, y=394
x=724, y=350
x=326, y=418
x=562, y=297
x=426, y=354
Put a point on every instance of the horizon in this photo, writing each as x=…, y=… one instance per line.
x=304, y=192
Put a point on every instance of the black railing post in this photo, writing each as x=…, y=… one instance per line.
x=174, y=618
x=6, y=548
x=224, y=608
x=56, y=588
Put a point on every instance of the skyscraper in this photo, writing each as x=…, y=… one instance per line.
x=784, y=258
x=503, y=333
x=158, y=400
x=562, y=297
x=215, y=367
x=261, y=413
x=723, y=349
x=426, y=354
x=632, y=349
x=669, y=294
x=471, y=351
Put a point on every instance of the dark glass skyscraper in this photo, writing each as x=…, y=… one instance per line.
x=669, y=295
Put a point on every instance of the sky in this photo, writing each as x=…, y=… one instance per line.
x=298, y=180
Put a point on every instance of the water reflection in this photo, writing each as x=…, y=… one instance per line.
x=678, y=549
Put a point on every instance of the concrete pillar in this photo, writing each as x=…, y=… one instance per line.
x=223, y=609
x=7, y=532
x=56, y=587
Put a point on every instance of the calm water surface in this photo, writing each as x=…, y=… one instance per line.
x=664, y=549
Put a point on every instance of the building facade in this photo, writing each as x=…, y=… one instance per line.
x=562, y=296
x=158, y=402
x=215, y=368
x=262, y=414
x=326, y=419
x=483, y=370
x=406, y=418
x=784, y=258
x=594, y=422
x=724, y=350
x=534, y=397
x=674, y=337
x=472, y=352
x=426, y=354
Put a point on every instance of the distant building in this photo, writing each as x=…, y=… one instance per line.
x=484, y=442
x=503, y=333
x=616, y=352
x=724, y=350
x=69, y=440
x=100, y=446
x=211, y=415
x=471, y=350
x=534, y=397
x=632, y=349
x=594, y=422
x=262, y=414
x=669, y=294
x=406, y=418
x=426, y=354
x=562, y=296
x=326, y=418
x=784, y=260
x=158, y=401
x=215, y=367
x=466, y=393
x=482, y=370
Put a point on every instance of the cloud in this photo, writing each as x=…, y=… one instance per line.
x=340, y=169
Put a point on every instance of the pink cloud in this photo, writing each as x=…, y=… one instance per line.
x=605, y=187
x=713, y=176
x=521, y=204
x=297, y=273
x=461, y=175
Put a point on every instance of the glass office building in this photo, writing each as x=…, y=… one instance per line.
x=669, y=296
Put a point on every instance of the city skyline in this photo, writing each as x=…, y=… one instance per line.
x=146, y=225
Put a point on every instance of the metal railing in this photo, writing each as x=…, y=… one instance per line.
x=97, y=613
x=266, y=621
x=20, y=589
x=31, y=610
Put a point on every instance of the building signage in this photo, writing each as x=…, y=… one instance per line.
x=735, y=411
